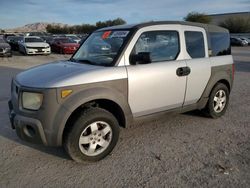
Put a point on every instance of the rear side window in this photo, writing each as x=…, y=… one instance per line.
x=195, y=44
x=162, y=45
x=220, y=43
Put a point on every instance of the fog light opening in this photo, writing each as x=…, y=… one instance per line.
x=29, y=131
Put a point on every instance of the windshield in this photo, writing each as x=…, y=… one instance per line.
x=16, y=39
x=73, y=37
x=101, y=48
x=33, y=40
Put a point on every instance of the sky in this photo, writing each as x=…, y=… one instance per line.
x=15, y=13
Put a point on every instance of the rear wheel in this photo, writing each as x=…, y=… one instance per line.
x=218, y=101
x=93, y=135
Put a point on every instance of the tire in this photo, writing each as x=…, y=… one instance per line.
x=82, y=128
x=219, y=91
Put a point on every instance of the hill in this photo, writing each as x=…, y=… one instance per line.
x=39, y=26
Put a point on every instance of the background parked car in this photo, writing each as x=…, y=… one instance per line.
x=73, y=37
x=14, y=42
x=64, y=45
x=48, y=39
x=246, y=39
x=237, y=42
x=34, y=45
x=5, y=49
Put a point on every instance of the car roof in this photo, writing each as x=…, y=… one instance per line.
x=207, y=27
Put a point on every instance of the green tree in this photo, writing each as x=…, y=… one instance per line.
x=237, y=25
x=198, y=17
x=84, y=28
x=2, y=31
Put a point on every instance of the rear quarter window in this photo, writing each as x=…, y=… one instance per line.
x=220, y=43
x=195, y=44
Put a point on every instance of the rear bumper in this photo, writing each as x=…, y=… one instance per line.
x=28, y=129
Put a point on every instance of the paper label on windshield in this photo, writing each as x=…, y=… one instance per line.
x=106, y=34
x=119, y=34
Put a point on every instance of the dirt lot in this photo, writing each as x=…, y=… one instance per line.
x=181, y=150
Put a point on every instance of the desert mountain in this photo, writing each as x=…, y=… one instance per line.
x=39, y=26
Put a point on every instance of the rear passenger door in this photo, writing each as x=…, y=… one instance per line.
x=197, y=59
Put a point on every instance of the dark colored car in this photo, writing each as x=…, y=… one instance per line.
x=48, y=39
x=13, y=41
x=237, y=42
x=5, y=49
x=64, y=46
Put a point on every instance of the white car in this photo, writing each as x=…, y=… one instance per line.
x=73, y=37
x=34, y=45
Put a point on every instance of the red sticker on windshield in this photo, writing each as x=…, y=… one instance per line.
x=106, y=34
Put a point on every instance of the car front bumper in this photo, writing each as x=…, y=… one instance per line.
x=38, y=51
x=5, y=52
x=41, y=126
x=69, y=50
x=28, y=129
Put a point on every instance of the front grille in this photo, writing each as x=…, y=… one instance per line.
x=36, y=48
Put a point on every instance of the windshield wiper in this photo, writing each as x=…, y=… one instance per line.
x=72, y=60
x=86, y=61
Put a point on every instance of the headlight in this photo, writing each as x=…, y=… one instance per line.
x=6, y=49
x=32, y=101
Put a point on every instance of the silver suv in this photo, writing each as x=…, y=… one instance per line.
x=118, y=76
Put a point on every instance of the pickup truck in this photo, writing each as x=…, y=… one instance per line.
x=118, y=76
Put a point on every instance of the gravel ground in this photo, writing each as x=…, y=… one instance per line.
x=180, y=150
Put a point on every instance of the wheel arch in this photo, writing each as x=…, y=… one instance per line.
x=105, y=104
x=115, y=103
x=218, y=75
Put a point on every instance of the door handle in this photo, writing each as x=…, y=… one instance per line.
x=183, y=71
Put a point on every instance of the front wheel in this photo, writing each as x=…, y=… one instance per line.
x=92, y=136
x=218, y=101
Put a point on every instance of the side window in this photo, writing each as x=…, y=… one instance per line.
x=195, y=44
x=220, y=43
x=162, y=45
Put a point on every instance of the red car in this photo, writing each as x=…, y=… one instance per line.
x=64, y=46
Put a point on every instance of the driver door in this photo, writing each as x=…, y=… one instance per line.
x=156, y=86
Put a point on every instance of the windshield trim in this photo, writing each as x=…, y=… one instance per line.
x=120, y=52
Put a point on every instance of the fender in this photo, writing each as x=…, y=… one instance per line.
x=82, y=95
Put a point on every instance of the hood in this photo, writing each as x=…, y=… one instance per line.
x=67, y=73
x=4, y=45
x=57, y=74
x=70, y=45
x=36, y=44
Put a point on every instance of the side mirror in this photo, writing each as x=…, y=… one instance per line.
x=140, y=58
